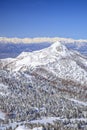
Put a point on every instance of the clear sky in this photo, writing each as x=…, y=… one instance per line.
x=43, y=18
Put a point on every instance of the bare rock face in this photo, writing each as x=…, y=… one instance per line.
x=48, y=83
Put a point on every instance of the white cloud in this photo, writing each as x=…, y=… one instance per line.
x=38, y=40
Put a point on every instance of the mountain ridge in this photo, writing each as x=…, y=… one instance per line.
x=51, y=82
x=57, y=52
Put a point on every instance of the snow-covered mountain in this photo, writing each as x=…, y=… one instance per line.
x=51, y=82
x=12, y=48
x=56, y=59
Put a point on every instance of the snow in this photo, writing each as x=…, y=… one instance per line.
x=2, y=115
x=3, y=94
x=59, y=49
x=24, y=128
x=58, y=59
x=78, y=102
x=41, y=57
x=56, y=44
x=3, y=86
x=38, y=128
x=3, y=89
x=45, y=120
x=21, y=128
x=51, y=120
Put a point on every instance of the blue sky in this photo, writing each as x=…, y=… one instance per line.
x=43, y=18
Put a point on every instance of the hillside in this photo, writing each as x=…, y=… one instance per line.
x=45, y=88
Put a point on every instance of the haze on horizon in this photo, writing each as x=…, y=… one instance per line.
x=43, y=18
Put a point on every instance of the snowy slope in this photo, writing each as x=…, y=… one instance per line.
x=2, y=115
x=21, y=128
x=48, y=83
x=56, y=58
x=38, y=57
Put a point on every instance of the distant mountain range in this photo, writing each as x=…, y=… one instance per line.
x=11, y=50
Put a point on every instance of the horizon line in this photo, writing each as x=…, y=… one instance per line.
x=28, y=40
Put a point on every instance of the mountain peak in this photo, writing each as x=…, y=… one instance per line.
x=56, y=44
x=59, y=48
